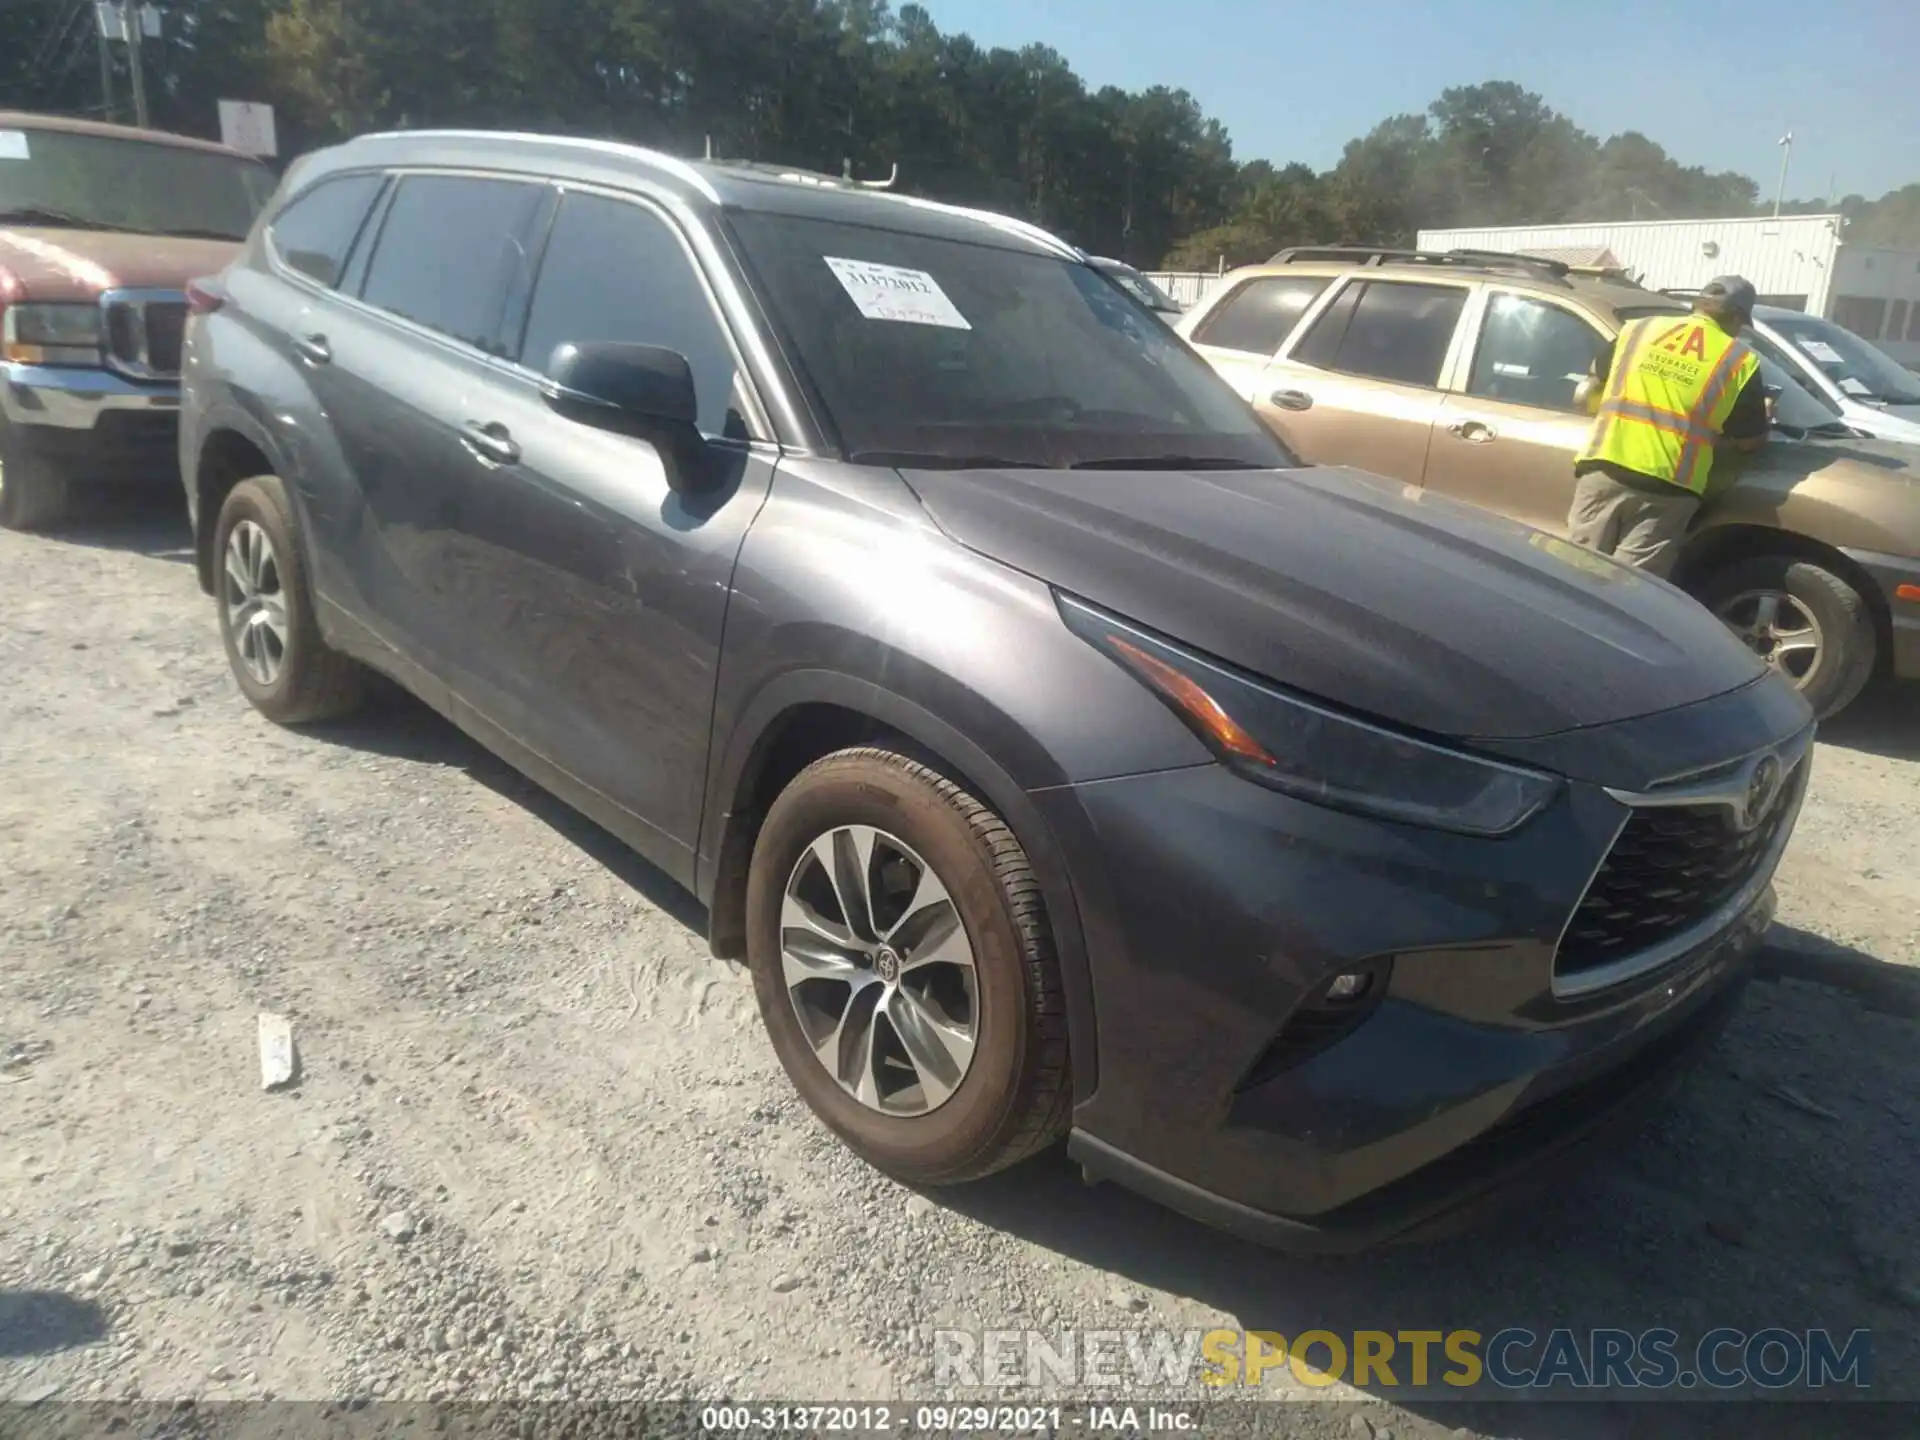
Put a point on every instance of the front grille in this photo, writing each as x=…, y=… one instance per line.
x=1672, y=867
x=145, y=332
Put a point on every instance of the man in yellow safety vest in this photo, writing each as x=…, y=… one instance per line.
x=1673, y=389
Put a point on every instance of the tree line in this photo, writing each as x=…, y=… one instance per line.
x=1143, y=175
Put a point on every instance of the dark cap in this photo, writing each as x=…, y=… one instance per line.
x=1731, y=292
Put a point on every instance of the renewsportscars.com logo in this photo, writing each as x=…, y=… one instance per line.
x=1514, y=1358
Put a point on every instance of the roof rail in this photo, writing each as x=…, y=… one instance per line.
x=1368, y=255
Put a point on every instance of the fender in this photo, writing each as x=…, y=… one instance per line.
x=734, y=766
x=229, y=416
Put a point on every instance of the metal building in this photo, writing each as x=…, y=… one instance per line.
x=1799, y=261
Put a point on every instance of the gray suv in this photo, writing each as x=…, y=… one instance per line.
x=1063, y=757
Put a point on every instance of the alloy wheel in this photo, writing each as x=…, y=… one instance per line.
x=255, y=602
x=1778, y=628
x=879, y=970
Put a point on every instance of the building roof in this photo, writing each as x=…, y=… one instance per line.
x=31, y=120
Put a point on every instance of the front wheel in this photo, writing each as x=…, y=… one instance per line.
x=1805, y=621
x=34, y=492
x=904, y=969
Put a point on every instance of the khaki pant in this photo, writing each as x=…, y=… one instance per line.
x=1634, y=527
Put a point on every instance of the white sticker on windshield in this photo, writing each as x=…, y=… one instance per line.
x=13, y=145
x=1853, y=386
x=1821, y=352
x=888, y=292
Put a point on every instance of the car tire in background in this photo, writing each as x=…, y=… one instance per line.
x=894, y=925
x=1804, y=620
x=266, y=612
x=34, y=494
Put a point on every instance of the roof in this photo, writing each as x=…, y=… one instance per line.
x=31, y=120
x=694, y=183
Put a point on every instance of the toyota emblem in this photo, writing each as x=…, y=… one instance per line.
x=1762, y=785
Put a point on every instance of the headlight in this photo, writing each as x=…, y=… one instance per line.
x=1314, y=753
x=50, y=334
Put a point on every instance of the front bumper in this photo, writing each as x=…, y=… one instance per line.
x=1212, y=906
x=94, y=424
x=1893, y=574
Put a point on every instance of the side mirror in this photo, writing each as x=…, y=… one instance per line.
x=614, y=385
x=644, y=391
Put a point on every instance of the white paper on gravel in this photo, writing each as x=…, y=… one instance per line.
x=890, y=292
x=13, y=145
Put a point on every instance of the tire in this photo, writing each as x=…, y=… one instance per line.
x=1847, y=644
x=34, y=494
x=1013, y=1096
x=306, y=681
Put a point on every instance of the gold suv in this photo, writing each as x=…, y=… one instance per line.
x=1457, y=372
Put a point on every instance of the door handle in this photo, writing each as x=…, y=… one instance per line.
x=314, y=349
x=1474, y=432
x=490, y=440
x=1292, y=399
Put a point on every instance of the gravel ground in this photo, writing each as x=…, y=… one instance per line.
x=538, y=1148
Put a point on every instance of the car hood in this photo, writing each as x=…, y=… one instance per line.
x=55, y=263
x=1375, y=596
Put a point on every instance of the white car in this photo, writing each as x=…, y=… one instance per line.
x=1869, y=388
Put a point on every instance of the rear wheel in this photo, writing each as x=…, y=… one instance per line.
x=34, y=494
x=1802, y=619
x=904, y=969
x=266, y=612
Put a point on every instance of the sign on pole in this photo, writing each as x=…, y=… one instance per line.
x=150, y=21
x=111, y=19
x=248, y=127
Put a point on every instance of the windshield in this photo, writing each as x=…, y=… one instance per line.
x=1859, y=369
x=934, y=351
x=1794, y=404
x=109, y=183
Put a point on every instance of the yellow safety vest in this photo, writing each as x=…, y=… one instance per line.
x=1674, y=381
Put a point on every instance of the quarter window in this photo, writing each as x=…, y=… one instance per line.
x=449, y=251
x=1385, y=330
x=1532, y=354
x=616, y=271
x=1259, y=315
x=314, y=234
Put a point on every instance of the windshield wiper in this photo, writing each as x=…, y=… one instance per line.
x=192, y=233
x=1167, y=462
x=44, y=215
x=939, y=460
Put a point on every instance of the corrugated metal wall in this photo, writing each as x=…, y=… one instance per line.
x=1793, y=255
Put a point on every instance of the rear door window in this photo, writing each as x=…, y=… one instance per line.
x=315, y=233
x=451, y=248
x=1386, y=330
x=615, y=270
x=1259, y=315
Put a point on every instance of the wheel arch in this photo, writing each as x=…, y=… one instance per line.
x=1719, y=546
x=233, y=449
x=804, y=715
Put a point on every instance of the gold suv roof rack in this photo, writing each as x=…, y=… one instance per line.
x=1499, y=261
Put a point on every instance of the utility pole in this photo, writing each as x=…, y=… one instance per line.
x=133, y=23
x=106, y=70
x=1786, y=153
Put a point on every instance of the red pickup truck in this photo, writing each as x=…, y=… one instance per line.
x=101, y=228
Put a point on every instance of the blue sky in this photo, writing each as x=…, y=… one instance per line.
x=1296, y=81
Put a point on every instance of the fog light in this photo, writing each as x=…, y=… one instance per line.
x=1345, y=988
